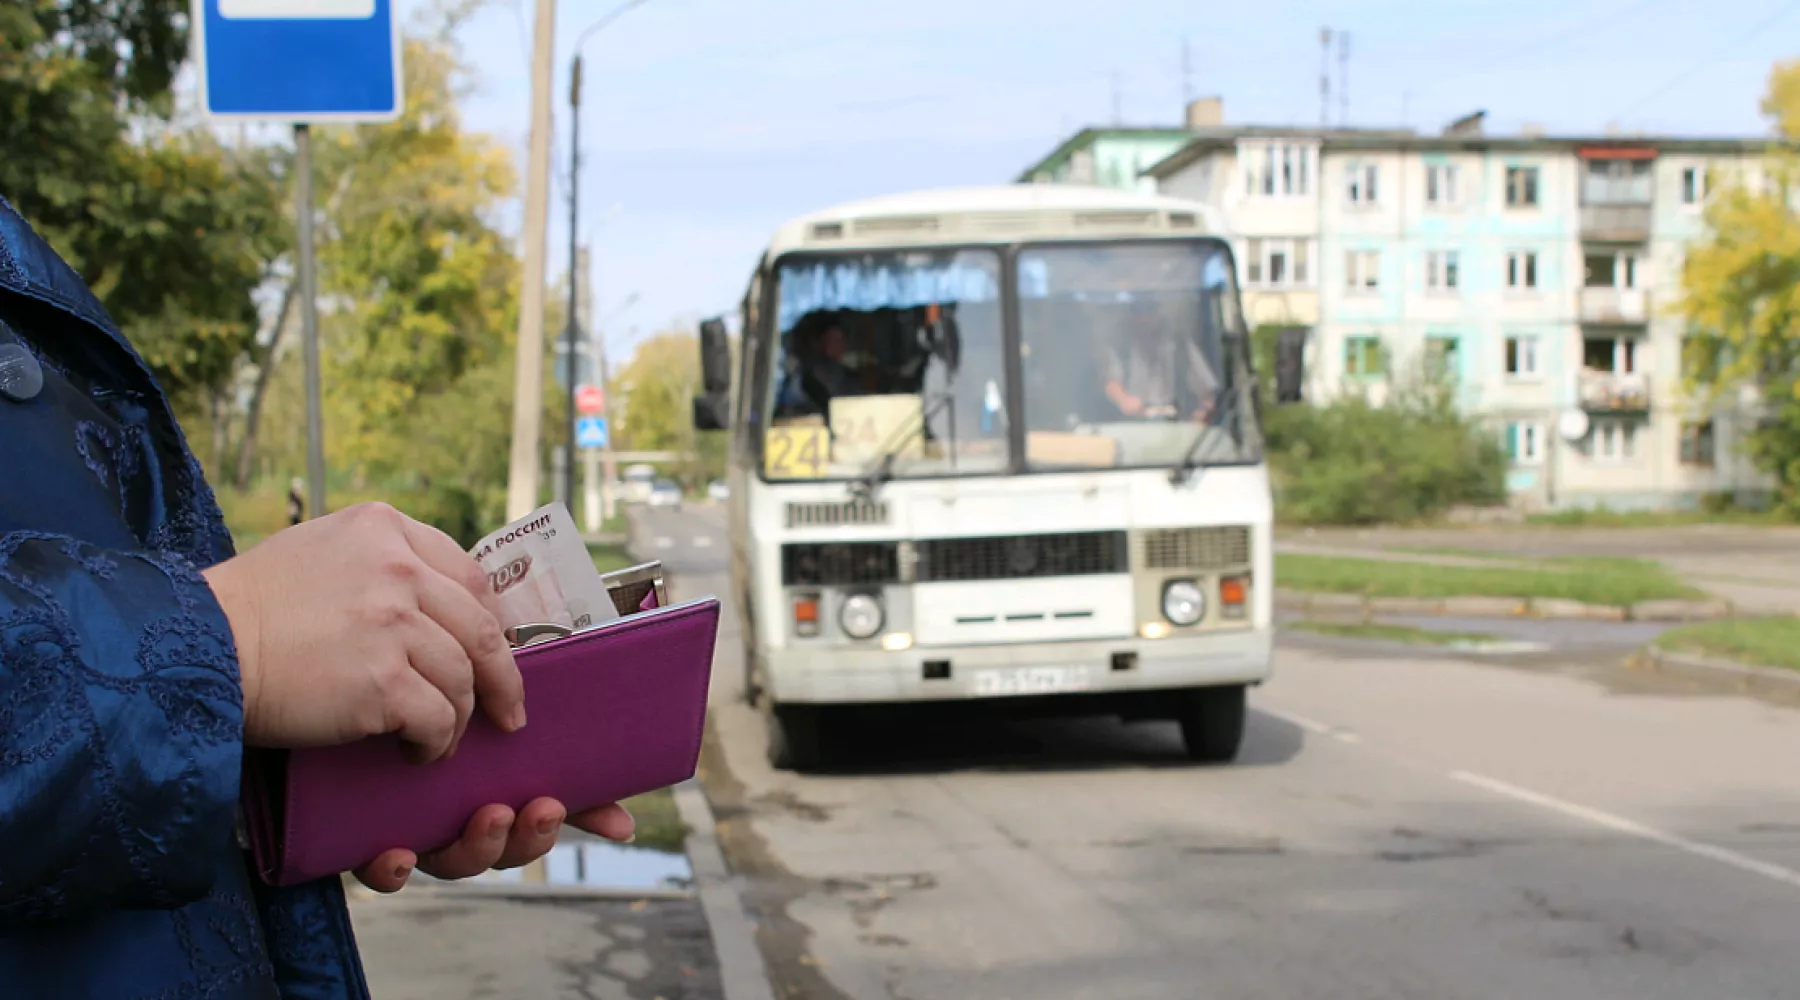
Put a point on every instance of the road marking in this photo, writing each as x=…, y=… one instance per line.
x=1345, y=737
x=1619, y=824
x=665, y=543
x=702, y=541
x=1296, y=720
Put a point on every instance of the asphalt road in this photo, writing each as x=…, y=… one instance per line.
x=1402, y=824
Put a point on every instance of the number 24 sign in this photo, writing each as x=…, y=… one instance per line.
x=796, y=452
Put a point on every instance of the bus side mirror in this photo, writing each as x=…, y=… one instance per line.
x=715, y=358
x=712, y=411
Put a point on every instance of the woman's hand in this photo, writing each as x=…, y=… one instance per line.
x=365, y=622
x=495, y=838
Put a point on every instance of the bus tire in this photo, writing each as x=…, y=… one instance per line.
x=796, y=736
x=1212, y=723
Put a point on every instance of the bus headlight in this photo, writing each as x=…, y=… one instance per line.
x=861, y=616
x=1183, y=602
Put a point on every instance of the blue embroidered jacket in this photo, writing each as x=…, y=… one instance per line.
x=121, y=717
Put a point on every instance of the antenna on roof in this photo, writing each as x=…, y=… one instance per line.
x=1324, y=78
x=1343, y=78
x=1187, y=74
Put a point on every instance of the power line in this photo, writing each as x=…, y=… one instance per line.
x=1584, y=29
x=1688, y=73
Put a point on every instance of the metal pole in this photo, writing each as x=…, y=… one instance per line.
x=569, y=328
x=528, y=378
x=309, y=321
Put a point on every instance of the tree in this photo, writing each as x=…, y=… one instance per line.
x=1741, y=293
x=170, y=233
x=658, y=387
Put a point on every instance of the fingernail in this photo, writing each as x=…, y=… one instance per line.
x=548, y=826
x=401, y=872
x=632, y=839
x=496, y=830
x=518, y=717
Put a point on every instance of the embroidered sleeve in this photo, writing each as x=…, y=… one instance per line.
x=121, y=722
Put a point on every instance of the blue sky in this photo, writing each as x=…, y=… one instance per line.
x=709, y=122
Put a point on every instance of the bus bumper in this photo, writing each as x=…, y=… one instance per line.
x=1096, y=667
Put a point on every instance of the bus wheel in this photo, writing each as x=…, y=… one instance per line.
x=796, y=736
x=1212, y=723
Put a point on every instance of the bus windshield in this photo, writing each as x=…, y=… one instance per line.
x=1123, y=355
x=888, y=358
x=890, y=364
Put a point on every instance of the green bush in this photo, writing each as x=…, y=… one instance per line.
x=1350, y=462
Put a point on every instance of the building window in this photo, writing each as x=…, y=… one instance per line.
x=1442, y=352
x=1360, y=184
x=1693, y=185
x=1521, y=187
x=1522, y=357
x=1441, y=185
x=1697, y=443
x=1363, y=358
x=1525, y=442
x=1616, y=182
x=1611, y=270
x=1277, y=170
x=1614, y=441
x=1614, y=355
x=1362, y=270
x=1521, y=269
x=1277, y=263
x=1441, y=270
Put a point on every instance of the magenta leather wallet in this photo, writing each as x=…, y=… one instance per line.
x=614, y=711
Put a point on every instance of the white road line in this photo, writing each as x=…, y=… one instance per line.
x=1345, y=737
x=665, y=543
x=1619, y=824
x=702, y=541
x=1297, y=720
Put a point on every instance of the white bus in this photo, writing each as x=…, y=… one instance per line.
x=996, y=443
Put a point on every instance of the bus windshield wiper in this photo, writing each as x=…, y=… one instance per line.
x=882, y=468
x=1227, y=411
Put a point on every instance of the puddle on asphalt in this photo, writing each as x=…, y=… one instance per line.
x=598, y=864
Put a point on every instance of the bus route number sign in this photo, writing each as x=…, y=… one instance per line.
x=796, y=452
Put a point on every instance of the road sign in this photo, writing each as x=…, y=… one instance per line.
x=590, y=432
x=589, y=400
x=298, y=60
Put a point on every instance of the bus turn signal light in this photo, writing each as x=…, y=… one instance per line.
x=1233, y=592
x=806, y=615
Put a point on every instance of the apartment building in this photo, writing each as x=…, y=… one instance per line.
x=1540, y=275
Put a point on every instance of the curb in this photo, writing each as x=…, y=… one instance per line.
x=1505, y=607
x=1743, y=676
x=473, y=889
x=742, y=974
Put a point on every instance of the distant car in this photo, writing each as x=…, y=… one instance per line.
x=717, y=490
x=665, y=493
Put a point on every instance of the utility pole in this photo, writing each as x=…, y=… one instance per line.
x=1324, y=78
x=528, y=377
x=309, y=321
x=1343, y=79
x=577, y=270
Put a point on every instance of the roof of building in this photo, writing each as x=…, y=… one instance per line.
x=1410, y=141
x=1087, y=136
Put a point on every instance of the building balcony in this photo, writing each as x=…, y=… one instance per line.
x=1613, y=306
x=1606, y=392
x=1622, y=222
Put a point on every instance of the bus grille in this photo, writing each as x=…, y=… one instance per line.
x=1196, y=548
x=836, y=514
x=1012, y=557
x=839, y=564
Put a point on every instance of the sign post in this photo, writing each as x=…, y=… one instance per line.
x=298, y=62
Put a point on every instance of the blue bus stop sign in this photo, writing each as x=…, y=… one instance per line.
x=298, y=60
x=590, y=432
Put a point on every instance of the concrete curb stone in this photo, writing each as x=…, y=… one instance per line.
x=1504, y=607
x=1743, y=676
x=742, y=974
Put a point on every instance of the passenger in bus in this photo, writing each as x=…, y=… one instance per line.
x=1152, y=371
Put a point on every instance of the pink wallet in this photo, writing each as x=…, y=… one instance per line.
x=614, y=711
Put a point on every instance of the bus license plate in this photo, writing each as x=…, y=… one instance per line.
x=1009, y=681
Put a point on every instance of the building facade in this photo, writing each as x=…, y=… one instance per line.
x=1539, y=275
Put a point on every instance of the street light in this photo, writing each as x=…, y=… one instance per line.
x=574, y=236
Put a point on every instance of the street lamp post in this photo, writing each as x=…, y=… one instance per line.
x=570, y=329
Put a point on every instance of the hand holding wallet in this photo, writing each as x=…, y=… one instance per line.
x=616, y=710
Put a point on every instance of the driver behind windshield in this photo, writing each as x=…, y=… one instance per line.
x=1153, y=371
